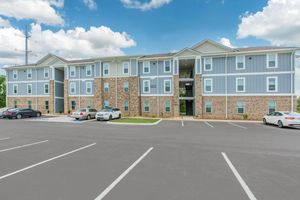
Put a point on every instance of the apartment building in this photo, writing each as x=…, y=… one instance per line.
x=207, y=80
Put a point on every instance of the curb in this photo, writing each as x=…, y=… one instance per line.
x=135, y=124
x=213, y=120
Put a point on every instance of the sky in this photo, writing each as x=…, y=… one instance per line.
x=93, y=28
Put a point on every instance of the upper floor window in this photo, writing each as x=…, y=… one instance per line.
x=146, y=67
x=240, y=62
x=167, y=86
x=15, y=74
x=146, y=86
x=240, y=84
x=88, y=87
x=167, y=66
x=46, y=72
x=208, y=85
x=29, y=88
x=240, y=107
x=106, y=87
x=126, y=86
x=72, y=88
x=208, y=106
x=126, y=68
x=272, y=84
x=88, y=70
x=168, y=106
x=105, y=69
x=15, y=89
x=271, y=107
x=272, y=60
x=207, y=64
x=72, y=71
x=46, y=88
x=29, y=73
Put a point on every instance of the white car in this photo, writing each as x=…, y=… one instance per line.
x=108, y=114
x=282, y=119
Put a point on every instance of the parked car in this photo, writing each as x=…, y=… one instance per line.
x=108, y=114
x=282, y=119
x=19, y=113
x=84, y=113
x=3, y=112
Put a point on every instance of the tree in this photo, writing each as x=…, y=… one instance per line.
x=2, y=92
x=298, y=104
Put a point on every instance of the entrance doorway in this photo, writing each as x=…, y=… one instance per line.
x=187, y=107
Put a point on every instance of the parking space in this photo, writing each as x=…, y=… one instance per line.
x=62, y=119
x=197, y=160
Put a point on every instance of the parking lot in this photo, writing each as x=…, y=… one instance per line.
x=173, y=160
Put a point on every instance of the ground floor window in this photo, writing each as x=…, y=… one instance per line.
x=29, y=104
x=240, y=107
x=46, y=105
x=15, y=104
x=168, y=106
x=146, y=106
x=106, y=104
x=88, y=103
x=126, y=105
x=73, y=105
x=271, y=106
x=208, y=106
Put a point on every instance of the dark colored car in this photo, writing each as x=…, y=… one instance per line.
x=19, y=113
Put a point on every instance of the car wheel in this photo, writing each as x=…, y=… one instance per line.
x=77, y=118
x=265, y=121
x=280, y=124
x=119, y=116
x=88, y=117
x=38, y=114
x=98, y=120
x=19, y=116
x=110, y=117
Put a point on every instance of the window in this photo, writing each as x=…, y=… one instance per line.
x=272, y=60
x=46, y=105
x=73, y=105
x=15, y=74
x=29, y=88
x=168, y=106
x=146, y=106
x=29, y=104
x=146, y=86
x=72, y=88
x=125, y=68
x=126, y=105
x=240, y=62
x=73, y=71
x=208, y=106
x=271, y=107
x=105, y=69
x=240, y=84
x=15, y=104
x=15, y=89
x=106, y=104
x=46, y=72
x=240, y=107
x=167, y=66
x=88, y=70
x=46, y=88
x=167, y=86
x=88, y=103
x=207, y=64
x=146, y=67
x=29, y=73
x=88, y=87
x=208, y=85
x=126, y=86
x=272, y=84
x=106, y=87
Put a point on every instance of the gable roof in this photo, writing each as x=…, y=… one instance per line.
x=213, y=43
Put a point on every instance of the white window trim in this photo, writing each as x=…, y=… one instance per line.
x=30, y=88
x=236, y=84
x=15, y=72
x=86, y=87
x=124, y=68
x=45, y=88
x=145, y=106
x=72, y=69
x=165, y=66
x=237, y=107
x=276, y=83
x=211, y=106
x=104, y=86
x=276, y=61
x=211, y=80
x=88, y=68
x=14, y=88
x=74, y=84
x=48, y=71
x=148, y=81
x=144, y=66
x=108, y=71
x=236, y=62
x=211, y=64
x=168, y=92
x=29, y=71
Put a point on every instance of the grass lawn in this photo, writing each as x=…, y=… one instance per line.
x=136, y=120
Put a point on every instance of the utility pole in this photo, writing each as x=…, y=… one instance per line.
x=27, y=36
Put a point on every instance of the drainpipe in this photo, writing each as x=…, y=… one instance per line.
x=292, y=80
x=116, y=88
x=36, y=92
x=226, y=95
x=79, y=89
x=157, y=97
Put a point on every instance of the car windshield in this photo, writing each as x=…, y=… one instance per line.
x=106, y=110
x=81, y=110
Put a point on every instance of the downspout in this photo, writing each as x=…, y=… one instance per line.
x=157, y=97
x=36, y=89
x=292, y=79
x=79, y=89
x=226, y=95
x=116, y=88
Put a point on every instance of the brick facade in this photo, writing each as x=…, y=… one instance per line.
x=37, y=103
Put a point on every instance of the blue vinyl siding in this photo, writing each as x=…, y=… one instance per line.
x=218, y=85
x=154, y=71
x=82, y=88
x=134, y=68
x=37, y=88
x=156, y=86
x=97, y=69
x=22, y=75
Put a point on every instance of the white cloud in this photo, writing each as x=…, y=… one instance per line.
x=144, y=6
x=278, y=23
x=39, y=10
x=4, y=23
x=226, y=42
x=91, y=4
x=74, y=43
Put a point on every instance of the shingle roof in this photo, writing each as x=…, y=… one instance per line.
x=262, y=48
x=158, y=55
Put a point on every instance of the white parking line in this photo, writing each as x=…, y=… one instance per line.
x=111, y=186
x=236, y=125
x=239, y=178
x=6, y=138
x=22, y=146
x=208, y=124
x=45, y=161
x=182, y=124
